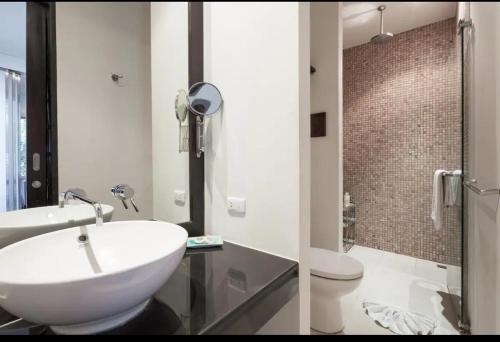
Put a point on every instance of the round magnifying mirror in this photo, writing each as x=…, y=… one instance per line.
x=181, y=105
x=204, y=99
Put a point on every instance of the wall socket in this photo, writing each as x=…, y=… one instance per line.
x=236, y=205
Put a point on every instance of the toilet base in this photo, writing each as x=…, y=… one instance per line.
x=326, y=303
x=326, y=315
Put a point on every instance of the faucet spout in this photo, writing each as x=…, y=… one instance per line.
x=62, y=196
x=99, y=216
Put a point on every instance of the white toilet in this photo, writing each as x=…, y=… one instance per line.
x=333, y=275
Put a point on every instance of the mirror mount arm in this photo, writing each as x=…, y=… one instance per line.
x=203, y=100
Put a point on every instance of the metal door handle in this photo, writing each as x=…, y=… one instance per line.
x=36, y=162
x=470, y=184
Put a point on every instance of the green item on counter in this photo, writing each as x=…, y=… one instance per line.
x=205, y=241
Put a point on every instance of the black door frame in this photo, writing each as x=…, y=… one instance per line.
x=196, y=225
x=41, y=104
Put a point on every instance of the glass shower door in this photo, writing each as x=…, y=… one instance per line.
x=457, y=275
x=13, y=145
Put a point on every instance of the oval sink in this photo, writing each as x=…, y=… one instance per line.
x=84, y=288
x=23, y=224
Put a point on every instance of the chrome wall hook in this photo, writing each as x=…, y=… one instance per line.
x=116, y=77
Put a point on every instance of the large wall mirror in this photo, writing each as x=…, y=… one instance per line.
x=111, y=72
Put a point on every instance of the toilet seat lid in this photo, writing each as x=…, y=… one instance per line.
x=335, y=266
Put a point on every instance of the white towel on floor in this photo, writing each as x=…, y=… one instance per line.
x=400, y=321
x=437, y=199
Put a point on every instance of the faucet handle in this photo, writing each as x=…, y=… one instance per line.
x=124, y=192
x=134, y=205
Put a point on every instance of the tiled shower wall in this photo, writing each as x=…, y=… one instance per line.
x=402, y=121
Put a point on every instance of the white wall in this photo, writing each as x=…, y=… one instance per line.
x=258, y=56
x=104, y=129
x=304, y=167
x=326, y=152
x=484, y=147
x=169, y=73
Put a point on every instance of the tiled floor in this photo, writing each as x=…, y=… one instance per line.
x=409, y=283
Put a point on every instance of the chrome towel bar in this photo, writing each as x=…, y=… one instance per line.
x=451, y=174
x=471, y=184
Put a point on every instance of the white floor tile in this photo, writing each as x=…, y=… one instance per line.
x=399, y=263
x=429, y=270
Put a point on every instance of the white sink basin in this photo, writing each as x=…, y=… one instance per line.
x=76, y=288
x=22, y=224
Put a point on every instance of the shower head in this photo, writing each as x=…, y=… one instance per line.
x=382, y=36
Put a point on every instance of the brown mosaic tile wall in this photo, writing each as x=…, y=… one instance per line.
x=402, y=121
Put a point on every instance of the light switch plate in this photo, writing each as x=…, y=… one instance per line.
x=236, y=205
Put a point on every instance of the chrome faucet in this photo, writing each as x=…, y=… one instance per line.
x=63, y=200
x=124, y=192
x=80, y=195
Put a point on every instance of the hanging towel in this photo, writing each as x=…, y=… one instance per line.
x=453, y=189
x=437, y=199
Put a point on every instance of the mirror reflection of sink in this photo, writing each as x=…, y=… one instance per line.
x=85, y=288
x=23, y=224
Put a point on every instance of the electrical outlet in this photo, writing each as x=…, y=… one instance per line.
x=236, y=205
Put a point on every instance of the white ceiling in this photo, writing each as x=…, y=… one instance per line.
x=13, y=29
x=362, y=20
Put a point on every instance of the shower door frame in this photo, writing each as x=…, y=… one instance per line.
x=464, y=319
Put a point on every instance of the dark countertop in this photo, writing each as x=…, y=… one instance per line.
x=232, y=290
